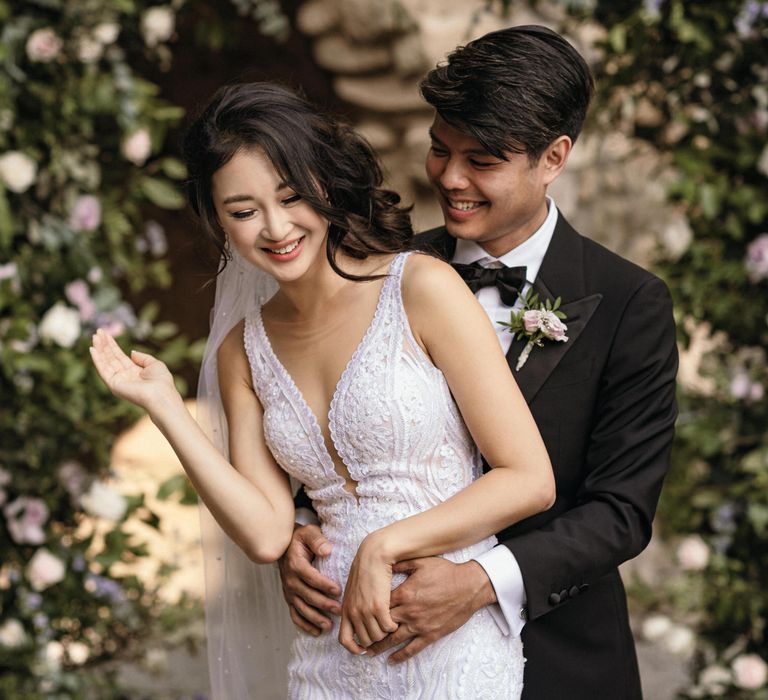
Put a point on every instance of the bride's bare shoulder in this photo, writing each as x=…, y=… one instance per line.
x=426, y=277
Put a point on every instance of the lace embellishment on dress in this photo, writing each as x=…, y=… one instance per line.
x=398, y=432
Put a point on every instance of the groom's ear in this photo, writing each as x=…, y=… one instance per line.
x=555, y=157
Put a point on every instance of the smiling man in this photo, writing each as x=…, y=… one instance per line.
x=509, y=107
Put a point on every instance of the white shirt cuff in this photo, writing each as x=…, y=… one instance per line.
x=507, y=580
x=304, y=516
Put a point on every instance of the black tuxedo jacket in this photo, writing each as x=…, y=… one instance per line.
x=604, y=403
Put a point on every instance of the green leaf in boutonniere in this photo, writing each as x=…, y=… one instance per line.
x=538, y=321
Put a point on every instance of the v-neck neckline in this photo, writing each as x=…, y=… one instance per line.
x=299, y=395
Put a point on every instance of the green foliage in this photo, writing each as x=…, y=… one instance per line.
x=82, y=154
x=701, y=97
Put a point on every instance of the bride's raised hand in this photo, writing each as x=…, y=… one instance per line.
x=141, y=379
x=365, y=617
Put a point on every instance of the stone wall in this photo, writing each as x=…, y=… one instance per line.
x=377, y=50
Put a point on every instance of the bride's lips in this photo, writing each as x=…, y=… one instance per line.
x=293, y=247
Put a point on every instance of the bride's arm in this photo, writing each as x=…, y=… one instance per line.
x=453, y=329
x=251, y=500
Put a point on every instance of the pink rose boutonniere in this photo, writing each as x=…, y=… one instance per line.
x=537, y=321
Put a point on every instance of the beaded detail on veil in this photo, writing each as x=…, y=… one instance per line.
x=398, y=432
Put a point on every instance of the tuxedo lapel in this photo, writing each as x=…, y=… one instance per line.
x=561, y=275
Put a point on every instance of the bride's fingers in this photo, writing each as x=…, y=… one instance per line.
x=347, y=639
x=122, y=360
x=100, y=364
x=402, y=634
x=141, y=358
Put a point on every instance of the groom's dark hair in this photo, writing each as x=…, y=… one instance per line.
x=516, y=90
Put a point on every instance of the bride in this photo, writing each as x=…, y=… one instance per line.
x=371, y=375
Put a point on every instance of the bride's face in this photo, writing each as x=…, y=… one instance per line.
x=265, y=220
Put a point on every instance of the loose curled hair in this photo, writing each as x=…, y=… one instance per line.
x=322, y=159
x=516, y=89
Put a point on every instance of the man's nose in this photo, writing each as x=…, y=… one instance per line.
x=454, y=175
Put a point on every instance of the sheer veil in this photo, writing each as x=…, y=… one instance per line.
x=247, y=621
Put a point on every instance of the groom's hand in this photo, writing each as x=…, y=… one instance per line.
x=437, y=598
x=311, y=597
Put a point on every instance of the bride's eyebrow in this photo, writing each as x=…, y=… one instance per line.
x=232, y=199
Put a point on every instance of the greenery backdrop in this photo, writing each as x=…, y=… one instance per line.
x=691, y=78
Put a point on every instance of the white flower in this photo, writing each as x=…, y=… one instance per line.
x=17, y=171
x=44, y=570
x=157, y=25
x=677, y=236
x=655, y=627
x=715, y=679
x=693, y=553
x=12, y=634
x=106, y=33
x=43, y=45
x=750, y=672
x=53, y=654
x=78, y=653
x=137, y=147
x=156, y=660
x=89, y=49
x=61, y=324
x=102, y=501
x=679, y=640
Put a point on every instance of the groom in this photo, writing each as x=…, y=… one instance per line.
x=508, y=108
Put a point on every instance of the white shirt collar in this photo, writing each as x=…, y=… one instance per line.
x=530, y=253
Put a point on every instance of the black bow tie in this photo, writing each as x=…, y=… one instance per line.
x=508, y=280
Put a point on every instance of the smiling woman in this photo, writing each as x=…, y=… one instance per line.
x=264, y=219
x=250, y=119
x=335, y=357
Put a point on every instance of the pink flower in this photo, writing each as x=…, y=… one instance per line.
x=547, y=322
x=757, y=258
x=749, y=671
x=114, y=328
x=72, y=477
x=43, y=45
x=531, y=320
x=8, y=271
x=25, y=518
x=693, y=553
x=137, y=147
x=552, y=327
x=86, y=214
x=77, y=293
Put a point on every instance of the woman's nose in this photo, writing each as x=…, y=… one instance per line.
x=277, y=225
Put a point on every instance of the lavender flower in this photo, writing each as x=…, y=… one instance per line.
x=756, y=261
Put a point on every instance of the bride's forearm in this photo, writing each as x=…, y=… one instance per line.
x=496, y=500
x=243, y=510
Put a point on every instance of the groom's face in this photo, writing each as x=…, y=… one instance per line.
x=497, y=203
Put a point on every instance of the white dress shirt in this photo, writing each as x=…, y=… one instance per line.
x=499, y=563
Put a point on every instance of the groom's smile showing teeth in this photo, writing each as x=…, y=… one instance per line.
x=464, y=205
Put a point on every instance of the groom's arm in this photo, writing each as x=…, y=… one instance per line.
x=625, y=464
x=626, y=460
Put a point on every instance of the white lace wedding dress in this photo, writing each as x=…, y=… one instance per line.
x=399, y=433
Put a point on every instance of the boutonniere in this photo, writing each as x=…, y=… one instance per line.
x=537, y=321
